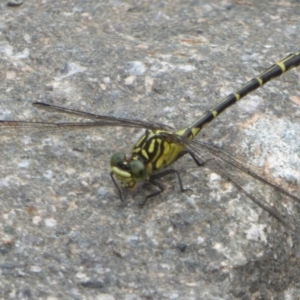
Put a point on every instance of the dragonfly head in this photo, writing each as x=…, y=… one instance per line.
x=128, y=171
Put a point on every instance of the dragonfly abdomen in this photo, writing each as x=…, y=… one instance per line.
x=291, y=61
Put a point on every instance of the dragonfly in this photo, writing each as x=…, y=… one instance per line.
x=160, y=145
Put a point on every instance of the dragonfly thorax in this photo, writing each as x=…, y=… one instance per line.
x=128, y=171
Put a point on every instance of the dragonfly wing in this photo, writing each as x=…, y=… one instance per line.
x=234, y=171
x=215, y=167
x=16, y=127
x=100, y=120
x=241, y=164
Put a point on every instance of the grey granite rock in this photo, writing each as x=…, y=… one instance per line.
x=64, y=233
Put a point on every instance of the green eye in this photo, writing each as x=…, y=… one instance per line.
x=138, y=170
x=117, y=158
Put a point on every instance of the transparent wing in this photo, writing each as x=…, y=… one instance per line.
x=100, y=120
x=241, y=164
x=236, y=170
x=97, y=121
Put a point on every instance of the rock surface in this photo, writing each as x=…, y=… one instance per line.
x=64, y=233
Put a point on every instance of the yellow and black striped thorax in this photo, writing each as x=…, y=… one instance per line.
x=156, y=150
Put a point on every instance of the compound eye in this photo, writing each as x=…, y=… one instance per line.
x=117, y=159
x=138, y=170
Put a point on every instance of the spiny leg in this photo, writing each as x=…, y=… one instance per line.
x=161, y=188
x=197, y=160
x=117, y=186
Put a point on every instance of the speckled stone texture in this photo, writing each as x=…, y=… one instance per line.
x=64, y=233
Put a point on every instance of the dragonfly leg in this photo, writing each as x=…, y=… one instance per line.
x=117, y=186
x=199, y=162
x=161, y=188
x=158, y=185
x=196, y=159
